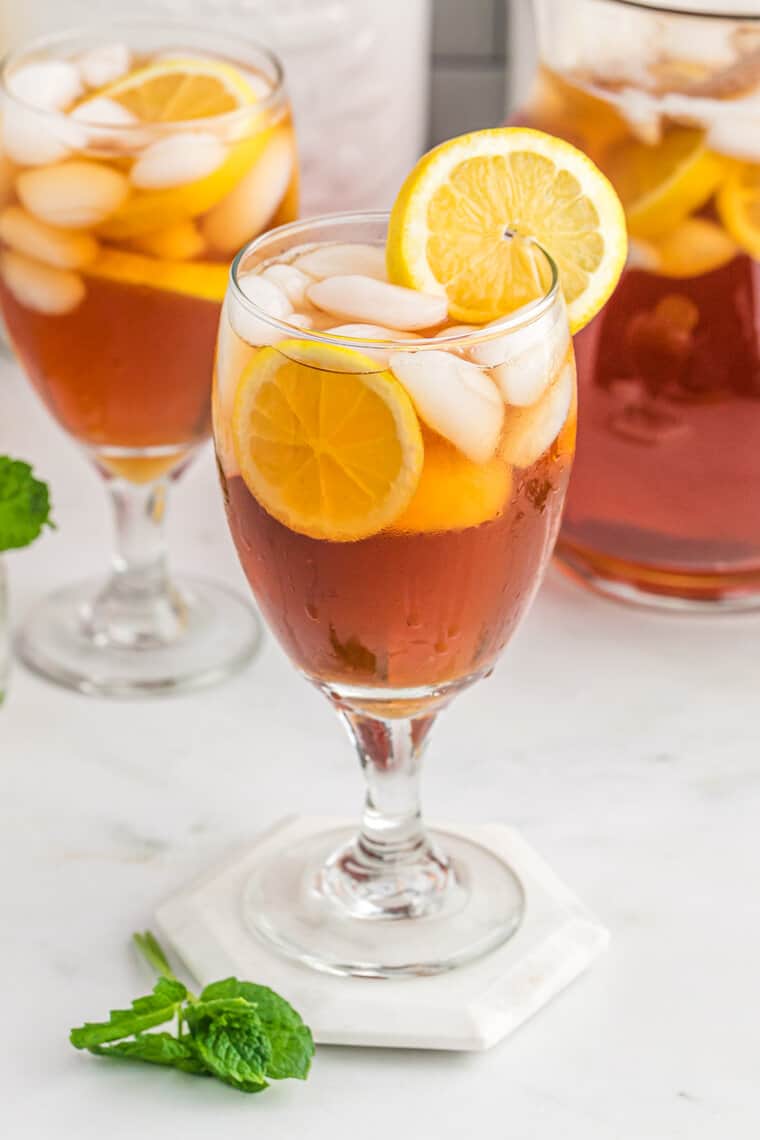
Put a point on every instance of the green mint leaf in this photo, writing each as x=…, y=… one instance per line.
x=157, y=1049
x=24, y=504
x=231, y=1040
x=146, y=1012
x=291, y=1041
x=153, y=953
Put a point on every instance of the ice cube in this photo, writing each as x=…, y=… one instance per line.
x=291, y=280
x=736, y=134
x=104, y=112
x=524, y=360
x=267, y=296
x=301, y=320
x=51, y=84
x=74, y=194
x=248, y=208
x=56, y=247
x=372, y=332
x=454, y=397
x=35, y=138
x=104, y=64
x=344, y=259
x=457, y=331
x=528, y=432
x=38, y=287
x=643, y=113
x=178, y=159
x=358, y=298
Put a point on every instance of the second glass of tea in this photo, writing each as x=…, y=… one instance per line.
x=134, y=163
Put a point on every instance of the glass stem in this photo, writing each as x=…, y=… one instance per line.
x=139, y=558
x=137, y=607
x=392, y=869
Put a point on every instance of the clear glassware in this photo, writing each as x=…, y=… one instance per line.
x=390, y=616
x=663, y=506
x=117, y=227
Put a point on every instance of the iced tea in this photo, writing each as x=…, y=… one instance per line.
x=425, y=593
x=665, y=497
x=129, y=179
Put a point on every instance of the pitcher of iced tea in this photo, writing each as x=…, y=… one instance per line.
x=664, y=506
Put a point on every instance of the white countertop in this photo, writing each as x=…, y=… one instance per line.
x=626, y=747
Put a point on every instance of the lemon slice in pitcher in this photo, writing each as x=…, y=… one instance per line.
x=454, y=224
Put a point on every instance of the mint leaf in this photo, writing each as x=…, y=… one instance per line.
x=230, y=1039
x=146, y=1012
x=157, y=1049
x=24, y=504
x=291, y=1041
x=236, y=1031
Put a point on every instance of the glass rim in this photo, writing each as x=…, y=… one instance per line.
x=110, y=32
x=666, y=9
x=519, y=318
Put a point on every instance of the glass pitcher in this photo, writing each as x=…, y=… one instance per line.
x=664, y=506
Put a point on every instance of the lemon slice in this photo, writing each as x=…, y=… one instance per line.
x=328, y=445
x=662, y=185
x=206, y=280
x=180, y=90
x=694, y=247
x=739, y=207
x=452, y=225
x=453, y=492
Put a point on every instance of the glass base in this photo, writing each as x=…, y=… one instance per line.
x=78, y=640
x=660, y=589
x=296, y=902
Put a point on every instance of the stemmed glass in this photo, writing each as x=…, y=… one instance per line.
x=135, y=161
x=390, y=620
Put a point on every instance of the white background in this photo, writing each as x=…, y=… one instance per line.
x=623, y=745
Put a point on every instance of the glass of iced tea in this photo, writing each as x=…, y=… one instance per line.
x=133, y=164
x=393, y=482
x=665, y=503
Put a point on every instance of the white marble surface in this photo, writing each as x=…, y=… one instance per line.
x=625, y=748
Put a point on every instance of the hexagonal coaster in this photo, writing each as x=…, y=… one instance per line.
x=469, y=1008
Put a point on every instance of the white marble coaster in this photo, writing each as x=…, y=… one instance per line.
x=472, y=1007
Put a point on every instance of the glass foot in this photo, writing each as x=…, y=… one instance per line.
x=304, y=901
x=83, y=637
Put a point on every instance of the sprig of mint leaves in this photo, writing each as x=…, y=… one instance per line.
x=241, y=1033
x=24, y=504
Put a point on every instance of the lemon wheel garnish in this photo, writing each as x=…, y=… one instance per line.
x=662, y=185
x=180, y=90
x=739, y=207
x=328, y=445
x=206, y=280
x=451, y=225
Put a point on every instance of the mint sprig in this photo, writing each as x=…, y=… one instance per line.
x=239, y=1032
x=24, y=504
